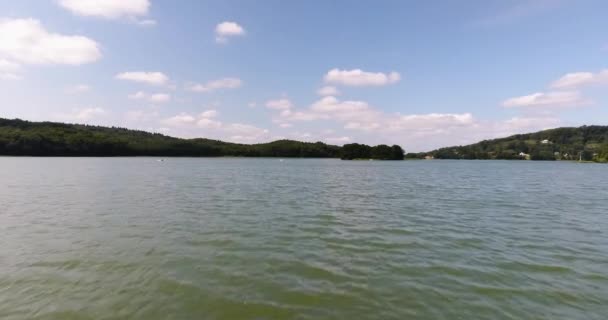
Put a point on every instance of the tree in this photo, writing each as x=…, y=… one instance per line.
x=382, y=152
x=353, y=151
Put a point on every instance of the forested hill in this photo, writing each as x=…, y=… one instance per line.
x=587, y=142
x=25, y=138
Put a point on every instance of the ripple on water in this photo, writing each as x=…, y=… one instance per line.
x=231, y=239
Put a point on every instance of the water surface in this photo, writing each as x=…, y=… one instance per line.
x=135, y=238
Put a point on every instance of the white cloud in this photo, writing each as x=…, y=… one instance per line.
x=209, y=114
x=338, y=140
x=359, y=115
x=109, y=9
x=328, y=91
x=280, y=104
x=83, y=115
x=26, y=41
x=9, y=70
x=431, y=121
x=246, y=133
x=285, y=125
x=89, y=113
x=139, y=116
x=252, y=104
x=203, y=120
x=10, y=76
x=9, y=66
x=153, y=98
x=360, y=78
x=159, y=98
x=138, y=95
x=327, y=108
x=548, y=99
x=578, y=79
x=146, y=22
x=153, y=78
x=79, y=88
x=180, y=120
x=228, y=29
x=372, y=125
x=224, y=83
x=333, y=105
x=208, y=123
x=527, y=124
x=205, y=124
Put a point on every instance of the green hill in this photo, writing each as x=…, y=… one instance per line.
x=25, y=138
x=589, y=143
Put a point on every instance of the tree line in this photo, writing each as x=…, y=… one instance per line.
x=26, y=138
x=587, y=143
x=380, y=152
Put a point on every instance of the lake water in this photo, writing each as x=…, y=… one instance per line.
x=135, y=238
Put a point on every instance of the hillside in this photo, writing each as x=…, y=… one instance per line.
x=25, y=138
x=589, y=143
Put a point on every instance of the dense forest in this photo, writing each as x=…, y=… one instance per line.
x=587, y=143
x=25, y=138
x=381, y=152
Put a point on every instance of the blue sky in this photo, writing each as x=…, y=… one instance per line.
x=419, y=74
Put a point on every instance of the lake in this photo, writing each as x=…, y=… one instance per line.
x=136, y=238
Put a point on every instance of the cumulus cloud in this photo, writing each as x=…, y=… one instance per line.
x=26, y=41
x=82, y=115
x=159, y=97
x=360, y=78
x=431, y=121
x=152, y=78
x=10, y=76
x=203, y=120
x=151, y=97
x=246, y=133
x=326, y=108
x=226, y=30
x=9, y=70
x=141, y=116
x=527, y=124
x=328, y=91
x=372, y=124
x=9, y=66
x=206, y=124
x=579, y=79
x=338, y=140
x=210, y=86
x=180, y=120
x=279, y=104
x=109, y=9
x=548, y=99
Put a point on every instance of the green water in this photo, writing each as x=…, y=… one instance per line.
x=135, y=238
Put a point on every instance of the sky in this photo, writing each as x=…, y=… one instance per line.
x=421, y=74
